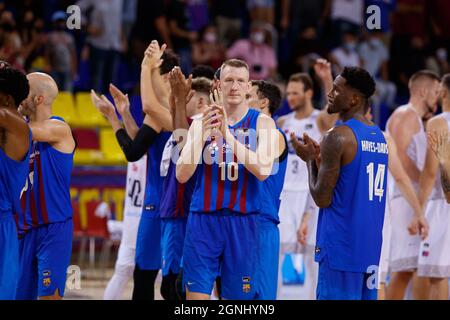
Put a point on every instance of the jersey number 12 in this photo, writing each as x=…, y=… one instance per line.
x=376, y=181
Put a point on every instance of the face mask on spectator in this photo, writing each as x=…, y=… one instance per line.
x=375, y=42
x=350, y=46
x=258, y=37
x=210, y=37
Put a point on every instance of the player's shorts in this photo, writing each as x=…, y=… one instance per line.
x=269, y=246
x=9, y=257
x=45, y=253
x=148, y=243
x=386, y=245
x=292, y=207
x=173, y=231
x=222, y=243
x=343, y=285
x=434, y=258
x=404, y=247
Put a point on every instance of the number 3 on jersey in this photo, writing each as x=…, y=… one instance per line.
x=229, y=171
x=376, y=180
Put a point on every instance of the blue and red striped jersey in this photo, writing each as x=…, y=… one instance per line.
x=176, y=197
x=47, y=199
x=222, y=182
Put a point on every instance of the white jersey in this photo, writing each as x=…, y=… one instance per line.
x=438, y=193
x=135, y=187
x=416, y=151
x=296, y=178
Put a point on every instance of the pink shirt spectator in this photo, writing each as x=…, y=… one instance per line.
x=260, y=58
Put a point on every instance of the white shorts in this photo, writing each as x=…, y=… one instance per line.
x=292, y=207
x=386, y=246
x=127, y=249
x=434, y=258
x=404, y=247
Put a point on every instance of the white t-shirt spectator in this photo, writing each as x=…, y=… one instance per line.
x=346, y=58
x=373, y=53
x=348, y=10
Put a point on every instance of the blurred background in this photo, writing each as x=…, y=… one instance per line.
x=276, y=38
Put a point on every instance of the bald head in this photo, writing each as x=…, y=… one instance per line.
x=43, y=85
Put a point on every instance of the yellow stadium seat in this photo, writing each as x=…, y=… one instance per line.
x=90, y=117
x=112, y=153
x=64, y=107
x=85, y=157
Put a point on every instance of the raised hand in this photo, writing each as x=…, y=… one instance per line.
x=120, y=100
x=103, y=105
x=181, y=87
x=440, y=145
x=308, y=150
x=322, y=68
x=153, y=54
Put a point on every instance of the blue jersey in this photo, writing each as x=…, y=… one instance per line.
x=176, y=197
x=47, y=200
x=154, y=180
x=349, y=231
x=13, y=178
x=222, y=182
x=273, y=185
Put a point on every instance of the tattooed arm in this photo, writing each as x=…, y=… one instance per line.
x=337, y=145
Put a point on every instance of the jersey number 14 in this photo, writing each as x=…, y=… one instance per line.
x=376, y=181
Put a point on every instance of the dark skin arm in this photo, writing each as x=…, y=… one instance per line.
x=338, y=148
x=15, y=136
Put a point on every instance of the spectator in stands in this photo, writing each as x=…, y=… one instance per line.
x=60, y=53
x=208, y=50
x=183, y=37
x=346, y=16
x=199, y=14
x=151, y=24
x=375, y=57
x=409, y=30
x=228, y=15
x=128, y=16
x=10, y=41
x=260, y=57
x=105, y=40
x=262, y=10
x=346, y=55
x=440, y=17
x=439, y=62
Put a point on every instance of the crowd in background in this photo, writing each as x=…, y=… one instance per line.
x=276, y=38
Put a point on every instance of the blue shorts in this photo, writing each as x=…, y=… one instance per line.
x=9, y=258
x=45, y=253
x=226, y=244
x=343, y=285
x=148, y=243
x=173, y=231
x=269, y=251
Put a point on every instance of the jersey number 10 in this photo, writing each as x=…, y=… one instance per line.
x=229, y=171
x=376, y=181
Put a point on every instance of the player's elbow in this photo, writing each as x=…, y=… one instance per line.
x=322, y=201
x=181, y=174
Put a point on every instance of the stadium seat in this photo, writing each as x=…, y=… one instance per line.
x=64, y=107
x=90, y=117
x=112, y=153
